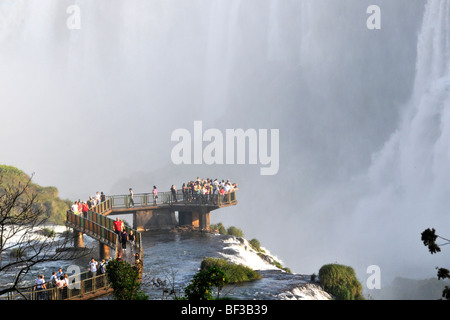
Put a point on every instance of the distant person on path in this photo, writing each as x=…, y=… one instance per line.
x=102, y=197
x=136, y=258
x=131, y=239
x=155, y=194
x=174, y=193
x=131, y=198
x=97, y=198
x=185, y=192
x=124, y=239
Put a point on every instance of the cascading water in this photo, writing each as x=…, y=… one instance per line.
x=407, y=186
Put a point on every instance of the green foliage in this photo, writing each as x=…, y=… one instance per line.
x=446, y=293
x=429, y=238
x=256, y=245
x=17, y=253
x=219, y=228
x=47, y=198
x=125, y=280
x=233, y=231
x=279, y=265
x=11, y=171
x=48, y=232
x=235, y=273
x=341, y=282
x=200, y=287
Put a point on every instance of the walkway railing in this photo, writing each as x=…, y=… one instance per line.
x=80, y=285
x=99, y=227
x=95, y=225
x=167, y=198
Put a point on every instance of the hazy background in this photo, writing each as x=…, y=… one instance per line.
x=93, y=110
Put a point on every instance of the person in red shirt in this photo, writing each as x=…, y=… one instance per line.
x=85, y=209
x=117, y=226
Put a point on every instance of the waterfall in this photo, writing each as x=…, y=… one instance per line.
x=407, y=187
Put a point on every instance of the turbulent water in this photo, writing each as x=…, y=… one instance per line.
x=177, y=257
x=171, y=259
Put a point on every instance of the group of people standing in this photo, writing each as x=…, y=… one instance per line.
x=83, y=207
x=96, y=268
x=205, y=190
x=201, y=190
x=58, y=279
x=124, y=236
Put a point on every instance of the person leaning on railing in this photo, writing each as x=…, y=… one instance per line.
x=40, y=286
x=74, y=208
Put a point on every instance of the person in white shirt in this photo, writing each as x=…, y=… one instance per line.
x=60, y=282
x=40, y=286
x=93, y=267
x=66, y=279
x=75, y=208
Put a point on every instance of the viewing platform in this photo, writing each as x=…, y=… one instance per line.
x=167, y=211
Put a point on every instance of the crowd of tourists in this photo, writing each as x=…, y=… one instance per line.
x=83, y=207
x=198, y=190
x=203, y=190
x=60, y=280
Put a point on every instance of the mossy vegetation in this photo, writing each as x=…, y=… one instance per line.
x=17, y=253
x=256, y=245
x=215, y=274
x=341, y=282
x=47, y=198
x=233, y=231
x=235, y=273
x=48, y=232
x=219, y=228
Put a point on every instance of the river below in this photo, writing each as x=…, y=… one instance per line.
x=171, y=259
